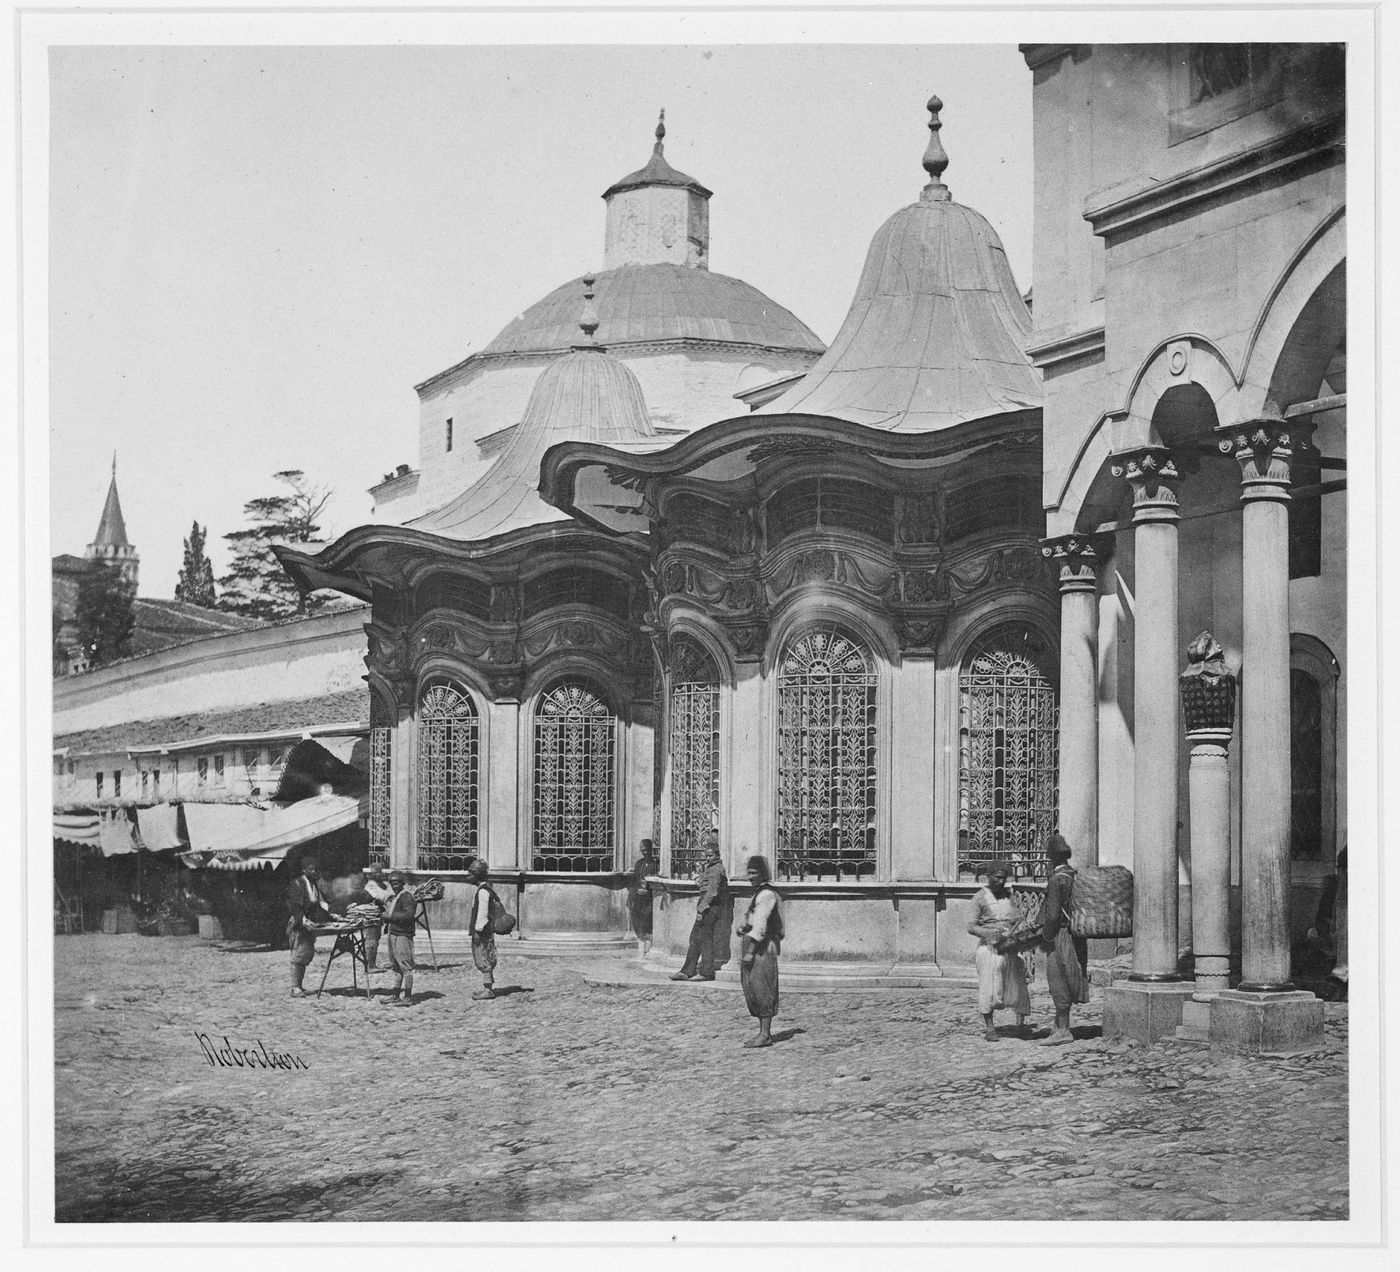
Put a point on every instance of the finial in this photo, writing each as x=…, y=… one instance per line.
x=935, y=157
x=588, y=324
x=660, y=131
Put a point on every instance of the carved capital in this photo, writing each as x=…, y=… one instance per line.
x=1077, y=557
x=1153, y=476
x=1265, y=450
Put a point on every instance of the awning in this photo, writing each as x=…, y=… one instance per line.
x=241, y=837
x=77, y=828
x=159, y=828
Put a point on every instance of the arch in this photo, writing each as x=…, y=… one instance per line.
x=1317, y=266
x=1187, y=358
x=691, y=623
x=448, y=723
x=1007, y=748
x=574, y=777
x=968, y=625
x=802, y=610
x=828, y=753
x=694, y=739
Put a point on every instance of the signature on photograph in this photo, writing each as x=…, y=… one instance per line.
x=258, y=1057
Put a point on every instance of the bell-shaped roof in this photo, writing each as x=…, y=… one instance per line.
x=657, y=171
x=586, y=395
x=937, y=332
x=111, y=530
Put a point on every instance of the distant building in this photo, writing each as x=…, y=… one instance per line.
x=159, y=623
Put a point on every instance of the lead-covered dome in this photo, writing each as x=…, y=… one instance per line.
x=937, y=332
x=641, y=304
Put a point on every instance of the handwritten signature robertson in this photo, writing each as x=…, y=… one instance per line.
x=230, y=1057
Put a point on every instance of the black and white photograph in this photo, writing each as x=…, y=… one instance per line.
x=679, y=625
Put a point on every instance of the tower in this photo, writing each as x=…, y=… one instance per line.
x=657, y=215
x=110, y=544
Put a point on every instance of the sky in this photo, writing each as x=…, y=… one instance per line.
x=256, y=253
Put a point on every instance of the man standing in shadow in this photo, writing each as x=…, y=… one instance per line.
x=710, y=908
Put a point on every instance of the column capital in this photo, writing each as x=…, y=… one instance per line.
x=1078, y=557
x=1265, y=450
x=1153, y=476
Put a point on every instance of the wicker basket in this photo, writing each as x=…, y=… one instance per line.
x=1101, y=904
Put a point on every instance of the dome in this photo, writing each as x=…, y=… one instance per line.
x=936, y=334
x=643, y=303
x=585, y=396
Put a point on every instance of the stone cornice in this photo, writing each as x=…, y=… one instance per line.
x=1270, y=159
x=1080, y=344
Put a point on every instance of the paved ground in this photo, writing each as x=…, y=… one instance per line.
x=567, y=1101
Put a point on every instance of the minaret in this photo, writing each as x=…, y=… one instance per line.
x=110, y=544
x=657, y=215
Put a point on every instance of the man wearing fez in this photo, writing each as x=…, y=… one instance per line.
x=378, y=891
x=709, y=909
x=401, y=918
x=305, y=909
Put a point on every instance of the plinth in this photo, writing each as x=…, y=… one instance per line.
x=1249, y=1023
x=1144, y=1010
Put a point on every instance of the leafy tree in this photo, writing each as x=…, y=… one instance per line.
x=105, y=614
x=255, y=584
x=196, y=585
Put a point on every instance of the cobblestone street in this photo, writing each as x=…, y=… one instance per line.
x=564, y=1101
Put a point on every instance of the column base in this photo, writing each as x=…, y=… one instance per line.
x=1144, y=1010
x=1249, y=1023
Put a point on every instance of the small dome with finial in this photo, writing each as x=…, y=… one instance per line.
x=937, y=332
x=585, y=396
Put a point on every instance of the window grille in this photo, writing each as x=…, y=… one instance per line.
x=826, y=757
x=380, y=740
x=1008, y=502
x=1009, y=753
x=454, y=592
x=694, y=755
x=574, y=586
x=1305, y=761
x=575, y=780
x=99, y=783
x=448, y=778
x=116, y=783
x=831, y=503
x=155, y=782
x=202, y=768
x=218, y=770
x=145, y=783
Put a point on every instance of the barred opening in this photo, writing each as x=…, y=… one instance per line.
x=1008, y=752
x=826, y=757
x=575, y=780
x=694, y=754
x=448, y=778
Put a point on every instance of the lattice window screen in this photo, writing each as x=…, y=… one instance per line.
x=448, y=778
x=574, y=821
x=826, y=757
x=694, y=755
x=1008, y=754
x=380, y=744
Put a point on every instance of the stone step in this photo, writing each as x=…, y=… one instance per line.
x=795, y=976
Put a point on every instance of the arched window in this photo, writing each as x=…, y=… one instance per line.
x=574, y=822
x=694, y=730
x=826, y=756
x=448, y=778
x=1009, y=752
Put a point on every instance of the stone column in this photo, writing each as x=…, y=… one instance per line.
x=1078, y=814
x=1153, y=477
x=1208, y=705
x=1264, y=449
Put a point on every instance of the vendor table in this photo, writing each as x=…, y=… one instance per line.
x=349, y=939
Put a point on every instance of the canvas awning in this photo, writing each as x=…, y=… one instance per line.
x=243, y=837
x=78, y=828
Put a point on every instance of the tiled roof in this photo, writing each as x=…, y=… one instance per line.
x=111, y=530
x=268, y=717
x=642, y=303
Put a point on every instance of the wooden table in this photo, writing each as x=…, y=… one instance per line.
x=349, y=939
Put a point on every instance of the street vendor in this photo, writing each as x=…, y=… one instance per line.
x=306, y=908
x=401, y=916
x=378, y=891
